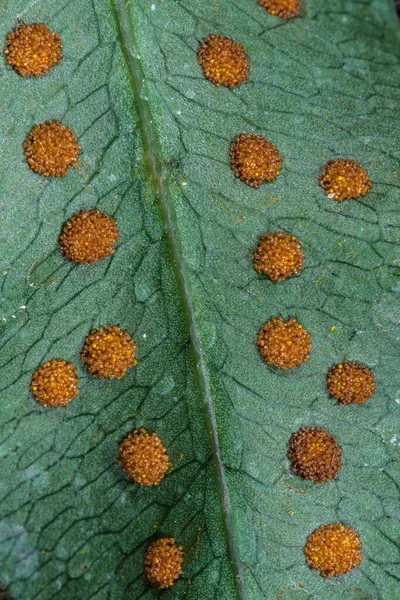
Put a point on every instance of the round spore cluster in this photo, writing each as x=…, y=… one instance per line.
x=351, y=383
x=285, y=9
x=109, y=352
x=334, y=550
x=55, y=383
x=345, y=179
x=284, y=344
x=163, y=563
x=89, y=236
x=279, y=256
x=33, y=50
x=223, y=62
x=51, y=149
x=144, y=457
x=315, y=454
x=254, y=159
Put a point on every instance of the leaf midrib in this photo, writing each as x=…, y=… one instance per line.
x=158, y=175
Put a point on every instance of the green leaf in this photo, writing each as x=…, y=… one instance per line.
x=155, y=139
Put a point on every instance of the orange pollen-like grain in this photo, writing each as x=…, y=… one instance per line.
x=254, y=159
x=51, y=149
x=344, y=179
x=89, y=236
x=351, y=383
x=334, y=550
x=143, y=457
x=284, y=344
x=223, y=62
x=315, y=454
x=109, y=352
x=55, y=383
x=279, y=256
x=163, y=563
x=33, y=50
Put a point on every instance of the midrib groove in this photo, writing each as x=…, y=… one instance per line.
x=158, y=175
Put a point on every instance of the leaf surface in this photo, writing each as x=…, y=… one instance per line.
x=155, y=137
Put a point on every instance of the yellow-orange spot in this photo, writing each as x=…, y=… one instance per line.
x=284, y=344
x=89, y=236
x=254, y=159
x=351, y=383
x=315, y=454
x=143, y=457
x=279, y=256
x=32, y=49
x=333, y=550
x=163, y=563
x=51, y=149
x=109, y=352
x=55, y=383
x=223, y=61
x=344, y=179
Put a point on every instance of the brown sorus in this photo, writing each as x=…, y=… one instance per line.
x=345, y=179
x=32, y=49
x=51, y=149
x=144, y=457
x=333, y=550
x=89, y=236
x=254, y=159
x=284, y=344
x=351, y=383
x=315, y=454
x=223, y=62
x=163, y=563
x=109, y=352
x=55, y=383
x=279, y=256
x=285, y=9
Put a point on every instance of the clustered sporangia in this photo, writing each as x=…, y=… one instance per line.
x=351, y=383
x=51, y=149
x=32, y=49
x=279, y=256
x=109, y=352
x=89, y=236
x=144, y=457
x=315, y=454
x=284, y=344
x=285, y=9
x=55, y=383
x=254, y=159
x=163, y=563
x=223, y=62
x=334, y=550
x=344, y=180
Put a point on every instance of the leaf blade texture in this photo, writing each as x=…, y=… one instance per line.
x=155, y=139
